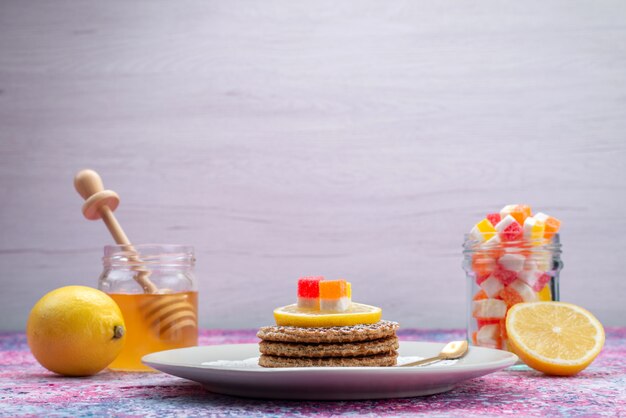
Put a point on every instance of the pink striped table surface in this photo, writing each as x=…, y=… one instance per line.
x=27, y=389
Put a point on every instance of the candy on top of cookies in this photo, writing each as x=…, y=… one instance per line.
x=334, y=296
x=325, y=303
x=309, y=292
x=315, y=293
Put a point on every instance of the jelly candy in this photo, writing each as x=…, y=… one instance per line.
x=534, y=230
x=526, y=292
x=334, y=295
x=494, y=218
x=482, y=278
x=519, y=212
x=552, y=224
x=543, y=280
x=510, y=297
x=517, y=292
x=483, y=264
x=493, y=241
x=488, y=309
x=530, y=277
x=545, y=294
x=309, y=292
x=505, y=276
x=482, y=322
x=492, y=286
x=482, y=231
x=512, y=262
x=512, y=232
x=489, y=336
x=509, y=229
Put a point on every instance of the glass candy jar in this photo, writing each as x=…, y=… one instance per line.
x=155, y=287
x=502, y=274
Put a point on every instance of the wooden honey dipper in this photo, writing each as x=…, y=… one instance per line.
x=169, y=313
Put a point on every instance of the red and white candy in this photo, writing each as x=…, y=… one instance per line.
x=309, y=292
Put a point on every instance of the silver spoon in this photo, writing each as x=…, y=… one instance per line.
x=452, y=350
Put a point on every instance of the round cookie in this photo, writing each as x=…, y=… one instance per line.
x=355, y=349
x=362, y=332
x=379, y=360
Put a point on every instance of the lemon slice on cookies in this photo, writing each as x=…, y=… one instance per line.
x=357, y=313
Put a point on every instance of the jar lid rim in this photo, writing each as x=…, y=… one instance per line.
x=109, y=248
x=553, y=244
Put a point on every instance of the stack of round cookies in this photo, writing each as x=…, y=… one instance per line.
x=358, y=345
x=343, y=334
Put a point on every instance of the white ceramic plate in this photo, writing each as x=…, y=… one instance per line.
x=232, y=371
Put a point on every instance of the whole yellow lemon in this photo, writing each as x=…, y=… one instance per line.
x=75, y=331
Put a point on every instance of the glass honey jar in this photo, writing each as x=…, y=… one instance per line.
x=156, y=290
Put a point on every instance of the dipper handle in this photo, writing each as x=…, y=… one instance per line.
x=88, y=183
x=100, y=204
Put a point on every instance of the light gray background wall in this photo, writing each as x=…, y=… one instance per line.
x=353, y=139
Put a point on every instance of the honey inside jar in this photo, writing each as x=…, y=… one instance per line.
x=147, y=332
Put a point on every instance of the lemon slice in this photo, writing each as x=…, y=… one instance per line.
x=554, y=337
x=358, y=313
